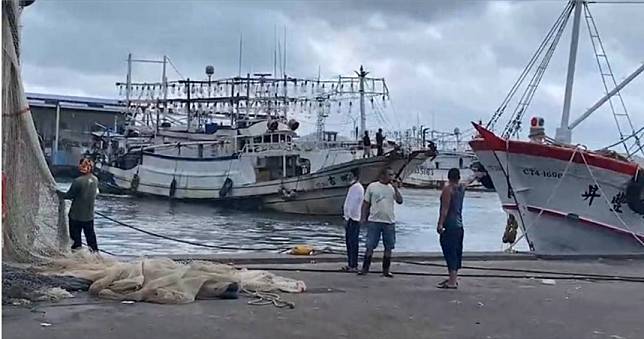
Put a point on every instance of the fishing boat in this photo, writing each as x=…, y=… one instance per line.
x=231, y=141
x=451, y=153
x=568, y=199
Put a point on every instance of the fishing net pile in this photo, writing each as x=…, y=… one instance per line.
x=35, y=238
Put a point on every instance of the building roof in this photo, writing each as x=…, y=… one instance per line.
x=75, y=102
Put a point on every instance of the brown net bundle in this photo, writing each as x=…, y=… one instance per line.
x=34, y=228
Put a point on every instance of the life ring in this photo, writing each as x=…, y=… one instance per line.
x=635, y=193
x=226, y=188
x=173, y=187
x=134, y=184
x=288, y=194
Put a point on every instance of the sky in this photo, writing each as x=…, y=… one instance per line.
x=446, y=63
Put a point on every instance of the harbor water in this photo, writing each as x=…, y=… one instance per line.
x=209, y=224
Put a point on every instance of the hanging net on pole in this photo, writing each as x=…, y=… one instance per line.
x=34, y=228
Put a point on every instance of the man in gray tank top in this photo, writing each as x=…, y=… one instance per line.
x=450, y=225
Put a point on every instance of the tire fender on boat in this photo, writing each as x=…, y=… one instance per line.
x=134, y=184
x=226, y=188
x=288, y=194
x=173, y=187
x=635, y=193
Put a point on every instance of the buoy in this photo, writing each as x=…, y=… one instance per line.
x=302, y=250
x=510, y=234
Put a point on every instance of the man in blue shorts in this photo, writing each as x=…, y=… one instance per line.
x=378, y=214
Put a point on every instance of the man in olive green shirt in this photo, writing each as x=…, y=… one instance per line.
x=83, y=193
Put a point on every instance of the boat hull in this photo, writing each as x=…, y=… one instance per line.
x=319, y=193
x=566, y=201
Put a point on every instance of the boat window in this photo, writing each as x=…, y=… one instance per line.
x=288, y=138
x=460, y=162
x=276, y=138
x=437, y=164
x=282, y=137
x=267, y=138
x=257, y=140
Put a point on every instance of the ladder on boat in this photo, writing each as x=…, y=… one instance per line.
x=616, y=103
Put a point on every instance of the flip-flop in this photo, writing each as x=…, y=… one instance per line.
x=440, y=284
x=448, y=287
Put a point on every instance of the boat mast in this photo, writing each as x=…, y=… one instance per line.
x=564, y=134
x=363, y=118
x=128, y=81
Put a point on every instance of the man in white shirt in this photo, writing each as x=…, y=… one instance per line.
x=352, y=206
x=378, y=214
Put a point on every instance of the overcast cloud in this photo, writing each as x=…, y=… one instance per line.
x=450, y=62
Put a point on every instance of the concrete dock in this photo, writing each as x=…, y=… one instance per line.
x=488, y=304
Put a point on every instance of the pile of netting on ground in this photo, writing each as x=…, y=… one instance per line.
x=35, y=238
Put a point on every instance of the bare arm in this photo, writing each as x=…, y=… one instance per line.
x=364, y=215
x=446, y=196
x=397, y=196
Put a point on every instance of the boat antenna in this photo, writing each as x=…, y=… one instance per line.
x=241, y=39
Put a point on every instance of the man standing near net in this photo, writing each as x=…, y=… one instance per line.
x=83, y=193
x=378, y=214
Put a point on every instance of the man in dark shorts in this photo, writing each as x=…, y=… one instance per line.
x=83, y=193
x=450, y=225
x=352, y=207
x=366, y=145
x=378, y=214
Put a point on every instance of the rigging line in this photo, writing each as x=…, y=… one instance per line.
x=495, y=117
x=175, y=68
x=598, y=48
x=514, y=124
x=592, y=175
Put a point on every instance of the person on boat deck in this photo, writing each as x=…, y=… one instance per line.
x=450, y=225
x=366, y=145
x=378, y=214
x=379, y=141
x=83, y=194
x=352, y=206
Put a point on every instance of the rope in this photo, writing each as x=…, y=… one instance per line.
x=608, y=202
x=193, y=243
x=562, y=276
x=266, y=298
x=516, y=270
x=552, y=194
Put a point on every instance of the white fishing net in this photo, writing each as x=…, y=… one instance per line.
x=34, y=225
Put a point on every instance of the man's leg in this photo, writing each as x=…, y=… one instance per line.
x=90, y=236
x=449, y=253
x=389, y=241
x=75, y=229
x=373, y=237
x=353, y=234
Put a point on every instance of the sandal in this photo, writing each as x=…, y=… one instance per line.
x=349, y=269
x=443, y=284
